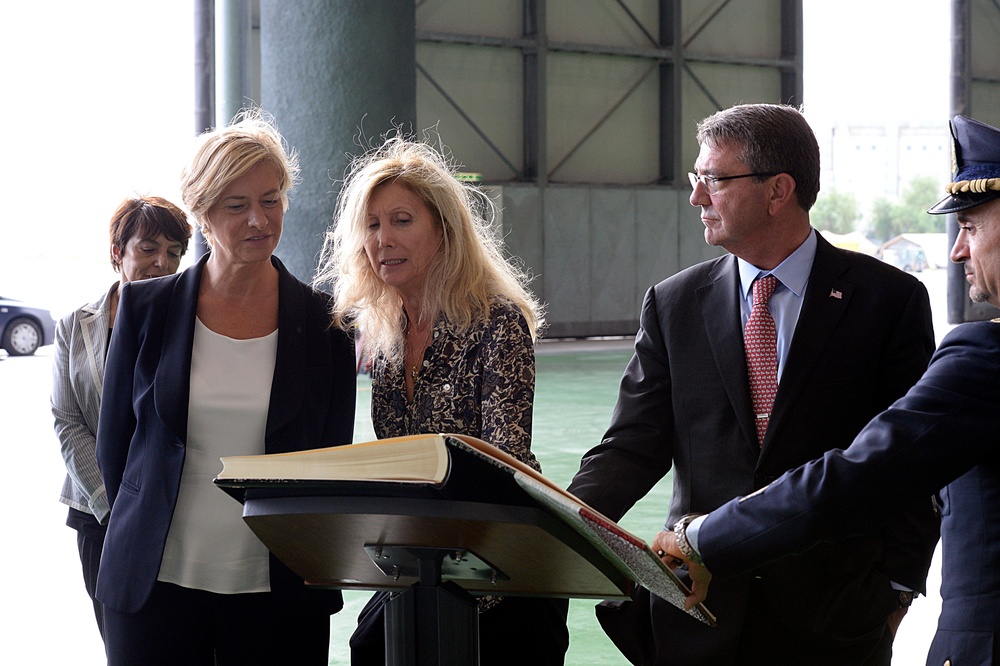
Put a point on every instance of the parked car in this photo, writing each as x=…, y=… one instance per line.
x=24, y=328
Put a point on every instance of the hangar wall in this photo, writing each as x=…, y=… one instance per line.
x=579, y=115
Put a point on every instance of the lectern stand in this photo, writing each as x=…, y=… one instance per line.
x=434, y=554
x=493, y=526
x=433, y=621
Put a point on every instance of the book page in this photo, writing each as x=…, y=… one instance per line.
x=417, y=459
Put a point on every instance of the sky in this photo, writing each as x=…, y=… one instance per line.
x=98, y=105
x=877, y=61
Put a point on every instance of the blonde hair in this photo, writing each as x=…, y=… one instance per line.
x=222, y=155
x=468, y=273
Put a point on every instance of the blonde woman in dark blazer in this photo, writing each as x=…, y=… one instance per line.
x=233, y=356
x=149, y=235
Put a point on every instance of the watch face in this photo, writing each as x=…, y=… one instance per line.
x=905, y=598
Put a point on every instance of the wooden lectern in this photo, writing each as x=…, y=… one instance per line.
x=491, y=526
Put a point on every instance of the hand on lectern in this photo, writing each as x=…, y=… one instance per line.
x=665, y=545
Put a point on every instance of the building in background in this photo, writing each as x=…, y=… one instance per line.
x=879, y=161
x=916, y=252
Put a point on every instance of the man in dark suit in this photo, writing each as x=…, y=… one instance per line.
x=849, y=336
x=943, y=431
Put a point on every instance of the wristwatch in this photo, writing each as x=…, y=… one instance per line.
x=680, y=536
x=904, y=599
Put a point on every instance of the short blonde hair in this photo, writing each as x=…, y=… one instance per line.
x=469, y=272
x=222, y=155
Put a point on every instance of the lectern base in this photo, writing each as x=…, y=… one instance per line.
x=432, y=625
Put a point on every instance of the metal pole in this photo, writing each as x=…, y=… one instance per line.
x=232, y=26
x=956, y=290
x=204, y=96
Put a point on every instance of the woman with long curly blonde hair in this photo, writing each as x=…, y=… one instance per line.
x=418, y=271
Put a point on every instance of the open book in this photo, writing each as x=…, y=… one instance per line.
x=459, y=468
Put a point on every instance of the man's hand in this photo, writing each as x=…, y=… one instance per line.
x=665, y=545
x=896, y=619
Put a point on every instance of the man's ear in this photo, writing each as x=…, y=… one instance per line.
x=782, y=192
x=116, y=255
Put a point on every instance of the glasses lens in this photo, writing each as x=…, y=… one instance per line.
x=706, y=182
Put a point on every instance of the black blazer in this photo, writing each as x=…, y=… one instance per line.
x=143, y=425
x=943, y=433
x=863, y=337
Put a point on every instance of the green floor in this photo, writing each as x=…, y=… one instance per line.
x=575, y=393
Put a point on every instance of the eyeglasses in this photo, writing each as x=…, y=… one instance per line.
x=711, y=183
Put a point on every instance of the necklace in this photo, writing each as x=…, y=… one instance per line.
x=417, y=351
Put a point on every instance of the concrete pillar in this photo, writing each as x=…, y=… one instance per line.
x=331, y=71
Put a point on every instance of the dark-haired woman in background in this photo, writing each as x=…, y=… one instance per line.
x=149, y=235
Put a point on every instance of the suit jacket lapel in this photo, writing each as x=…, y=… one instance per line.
x=172, y=384
x=827, y=296
x=173, y=374
x=94, y=328
x=292, y=353
x=720, y=311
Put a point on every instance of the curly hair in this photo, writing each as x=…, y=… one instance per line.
x=470, y=271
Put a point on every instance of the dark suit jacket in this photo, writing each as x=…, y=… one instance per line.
x=143, y=424
x=863, y=337
x=944, y=431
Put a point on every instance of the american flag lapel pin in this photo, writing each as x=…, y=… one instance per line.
x=836, y=293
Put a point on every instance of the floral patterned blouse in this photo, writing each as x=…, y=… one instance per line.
x=481, y=383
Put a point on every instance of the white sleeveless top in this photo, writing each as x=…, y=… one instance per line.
x=209, y=547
